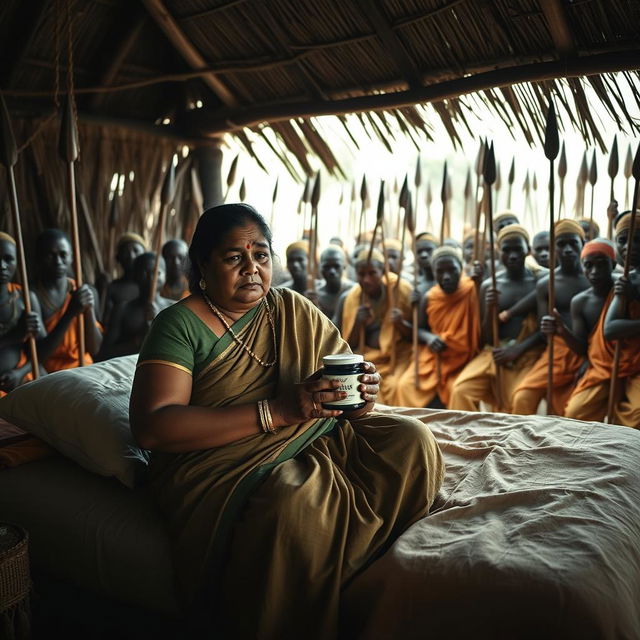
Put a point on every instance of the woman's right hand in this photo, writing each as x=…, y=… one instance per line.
x=304, y=401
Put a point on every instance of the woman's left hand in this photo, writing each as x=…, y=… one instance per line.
x=369, y=383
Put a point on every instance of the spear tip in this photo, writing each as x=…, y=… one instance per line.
x=612, y=167
x=635, y=170
x=315, y=194
x=551, y=138
x=489, y=168
x=68, y=141
x=593, y=170
x=404, y=193
x=381, y=201
x=169, y=184
x=562, y=163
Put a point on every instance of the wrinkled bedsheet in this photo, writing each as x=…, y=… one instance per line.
x=535, y=534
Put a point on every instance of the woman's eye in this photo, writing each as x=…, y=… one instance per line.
x=233, y=258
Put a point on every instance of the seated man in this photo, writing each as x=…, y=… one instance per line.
x=332, y=268
x=366, y=314
x=16, y=326
x=131, y=320
x=123, y=289
x=520, y=342
x=62, y=304
x=426, y=244
x=174, y=253
x=569, y=281
x=449, y=333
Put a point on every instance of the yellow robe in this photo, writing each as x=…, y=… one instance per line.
x=267, y=530
x=389, y=334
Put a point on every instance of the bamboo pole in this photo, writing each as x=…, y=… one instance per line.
x=551, y=147
x=612, y=170
x=489, y=172
x=9, y=157
x=68, y=151
x=166, y=198
x=635, y=172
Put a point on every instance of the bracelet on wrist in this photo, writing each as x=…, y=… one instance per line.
x=265, y=417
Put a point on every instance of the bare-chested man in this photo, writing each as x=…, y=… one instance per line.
x=540, y=248
x=426, y=244
x=332, y=268
x=175, y=253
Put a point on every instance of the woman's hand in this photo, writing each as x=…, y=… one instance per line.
x=304, y=401
x=369, y=383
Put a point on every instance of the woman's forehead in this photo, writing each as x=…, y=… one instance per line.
x=243, y=236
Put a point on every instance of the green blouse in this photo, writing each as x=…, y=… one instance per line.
x=178, y=337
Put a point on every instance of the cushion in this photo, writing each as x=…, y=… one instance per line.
x=17, y=446
x=83, y=413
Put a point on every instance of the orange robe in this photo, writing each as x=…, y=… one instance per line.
x=13, y=287
x=66, y=355
x=381, y=356
x=532, y=388
x=589, y=399
x=455, y=318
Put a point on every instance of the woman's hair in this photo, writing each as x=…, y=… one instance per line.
x=47, y=237
x=212, y=226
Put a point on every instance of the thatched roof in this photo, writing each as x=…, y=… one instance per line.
x=206, y=67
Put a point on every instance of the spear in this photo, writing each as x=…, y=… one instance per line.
x=443, y=199
x=313, y=229
x=635, y=172
x=479, y=167
x=489, y=173
x=512, y=175
x=429, y=200
x=410, y=221
x=628, y=168
x=581, y=185
x=9, y=157
x=526, y=188
x=534, y=199
x=243, y=190
x=612, y=170
x=417, y=182
x=498, y=185
x=274, y=197
x=352, y=210
x=231, y=176
x=593, y=178
x=467, y=201
x=562, y=174
x=68, y=151
x=364, y=197
x=551, y=148
x=166, y=198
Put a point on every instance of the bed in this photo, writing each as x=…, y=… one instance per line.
x=535, y=533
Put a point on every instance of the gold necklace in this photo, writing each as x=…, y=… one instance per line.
x=219, y=314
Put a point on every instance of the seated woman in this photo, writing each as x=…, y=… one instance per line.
x=274, y=502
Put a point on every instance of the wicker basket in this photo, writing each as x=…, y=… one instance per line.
x=15, y=582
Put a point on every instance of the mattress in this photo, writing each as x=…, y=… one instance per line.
x=535, y=533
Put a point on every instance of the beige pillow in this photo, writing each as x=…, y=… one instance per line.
x=84, y=414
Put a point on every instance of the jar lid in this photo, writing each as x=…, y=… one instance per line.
x=342, y=358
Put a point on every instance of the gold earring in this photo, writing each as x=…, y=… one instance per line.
x=202, y=284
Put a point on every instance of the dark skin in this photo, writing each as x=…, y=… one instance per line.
x=586, y=306
x=332, y=268
x=448, y=272
x=298, y=266
x=426, y=280
x=54, y=264
x=123, y=288
x=393, y=260
x=513, y=283
x=130, y=321
x=238, y=276
x=591, y=231
x=174, y=253
x=18, y=325
x=569, y=279
x=369, y=276
x=617, y=323
x=540, y=248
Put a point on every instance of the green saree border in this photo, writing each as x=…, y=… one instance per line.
x=249, y=483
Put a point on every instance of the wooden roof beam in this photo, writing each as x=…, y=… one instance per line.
x=208, y=123
x=187, y=50
x=391, y=42
x=559, y=29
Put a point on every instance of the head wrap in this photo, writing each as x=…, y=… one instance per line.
x=393, y=243
x=594, y=225
x=7, y=237
x=425, y=235
x=624, y=222
x=504, y=215
x=336, y=248
x=513, y=230
x=568, y=226
x=376, y=256
x=599, y=245
x=129, y=236
x=300, y=245
x=471, y=235
x=446, y=251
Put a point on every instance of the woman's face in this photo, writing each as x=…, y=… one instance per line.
x=238, y=272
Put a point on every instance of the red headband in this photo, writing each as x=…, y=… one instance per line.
x=598, y=246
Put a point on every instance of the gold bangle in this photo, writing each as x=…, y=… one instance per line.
x=267, y=411
x=261, y=418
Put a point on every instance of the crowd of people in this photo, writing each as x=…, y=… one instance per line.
x=381, y=297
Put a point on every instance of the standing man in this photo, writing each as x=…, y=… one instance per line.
x=569, y=281
x=332, y=268
x=540, y=248
x=298, y=265
x=174, y=253
x=61, y=303
x=520, y=342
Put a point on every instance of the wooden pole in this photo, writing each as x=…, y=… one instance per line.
x=313, y=229
x=562, y=174
x=166, y=198
x=9, y=157
x=551, y=147
x=612, y=170
x=477, y=251
x=68, y=151
x=489, y=172
x=593, y=178
x=417, y=182
x=411, y=228
x=443, y=200
x=627, y=266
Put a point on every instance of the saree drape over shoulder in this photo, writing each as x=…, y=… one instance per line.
x=271, y=527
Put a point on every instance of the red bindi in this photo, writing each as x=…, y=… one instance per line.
x=248, y=246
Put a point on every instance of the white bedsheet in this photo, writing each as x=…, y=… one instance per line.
x=535, y=534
